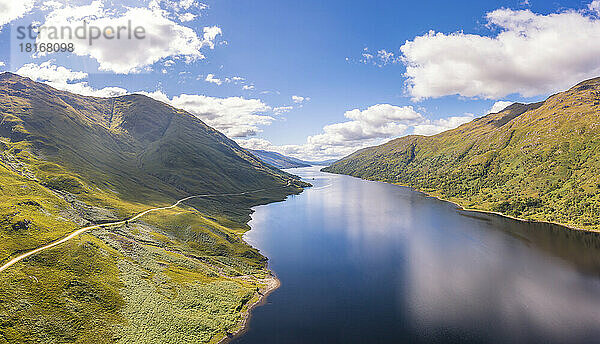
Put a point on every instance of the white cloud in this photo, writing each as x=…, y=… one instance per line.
x=210, y=34
x=163, y=38
x=299, y=99
x=376, y=122
x=282, y=109
x=187, y=4
x=373, y=126
x=2, y=64
x=437, y=126
x=532, y=54
x=50, y=5
x=14, y=9
x=157, y=95
x=49, y=72
x=499, y=106
x=307, y=151
x=255, y=143
x=380, y=58
x=234, y=116
x=62, y=78
x=595, y=6
x=380, y=114
x=211, y=78
x=178, y=6
x=186, y=17
x=236, y=80
x=365, y=128
x=385, y=57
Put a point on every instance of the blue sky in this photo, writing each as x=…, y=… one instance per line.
x=319, y=79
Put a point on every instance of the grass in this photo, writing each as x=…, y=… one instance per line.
x=170, y=278
x=191, y=312
x=29, y=214
x=180, y=275
x=70, y=294
x=536, y=162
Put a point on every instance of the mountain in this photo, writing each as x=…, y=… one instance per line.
x=322, y=162
x=537, y=161
x=99, y=138
x=68, y=161
x=281, y=161
x=278, y=160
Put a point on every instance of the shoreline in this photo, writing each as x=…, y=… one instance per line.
x=272, y=283
x=461, y=207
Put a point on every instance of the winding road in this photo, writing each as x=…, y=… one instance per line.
x=117, y=223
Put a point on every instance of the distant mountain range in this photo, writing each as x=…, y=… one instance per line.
x=67, y=161
x=281, y=161
x=278, y=160
x=537, y=161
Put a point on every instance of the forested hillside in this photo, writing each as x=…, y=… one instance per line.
x=538, y=161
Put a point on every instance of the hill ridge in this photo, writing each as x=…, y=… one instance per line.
x=537, y=161
x=70, y=162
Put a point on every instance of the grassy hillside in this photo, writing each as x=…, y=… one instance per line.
x=278, y=160
x=538, y=161
x=181, y=275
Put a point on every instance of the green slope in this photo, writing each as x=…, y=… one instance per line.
x=123, y=136
x=538, y=161
x=181, y=275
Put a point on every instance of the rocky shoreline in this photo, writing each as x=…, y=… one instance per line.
x=271, y=283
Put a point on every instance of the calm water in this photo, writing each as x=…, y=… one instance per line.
x=367, y=262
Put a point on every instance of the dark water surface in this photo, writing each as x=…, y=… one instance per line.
x=368, y=262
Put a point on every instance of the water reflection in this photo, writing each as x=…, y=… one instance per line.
x=493, y=287
x=368, y=262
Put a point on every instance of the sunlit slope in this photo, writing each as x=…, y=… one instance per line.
x=539, y=161
x=128, y=142
x=181, y=275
